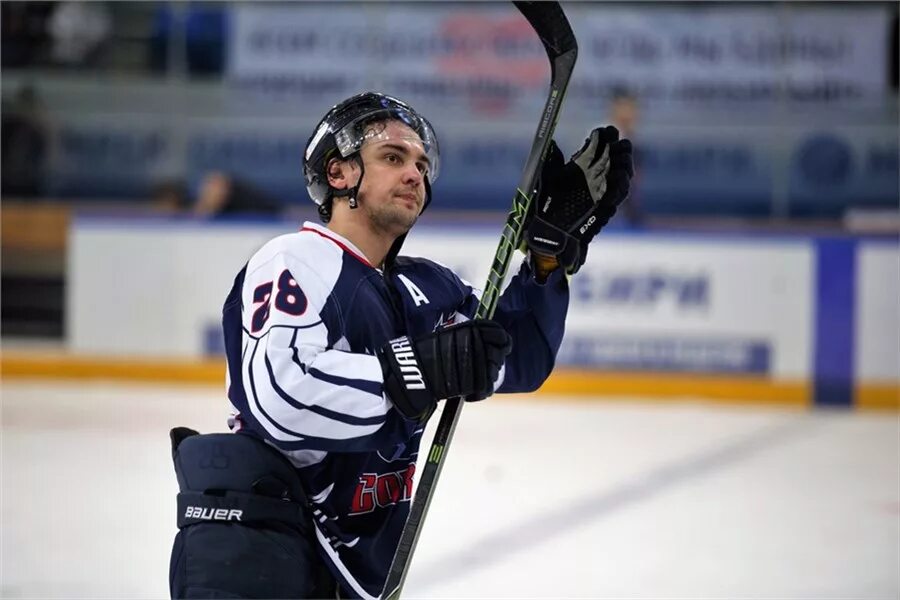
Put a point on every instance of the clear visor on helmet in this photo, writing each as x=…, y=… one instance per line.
x=415, y=134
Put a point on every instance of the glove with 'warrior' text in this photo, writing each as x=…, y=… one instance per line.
x=460, y=360
x=578, y=198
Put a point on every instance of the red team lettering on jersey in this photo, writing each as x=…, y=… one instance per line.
x=374, y=490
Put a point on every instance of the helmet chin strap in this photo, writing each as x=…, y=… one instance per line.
x=351, y=193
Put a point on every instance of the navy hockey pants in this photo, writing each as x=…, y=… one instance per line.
x=244, y=527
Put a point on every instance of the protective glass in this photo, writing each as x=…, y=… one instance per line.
x=364, y=130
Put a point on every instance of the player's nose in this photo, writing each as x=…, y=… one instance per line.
x=411, y=174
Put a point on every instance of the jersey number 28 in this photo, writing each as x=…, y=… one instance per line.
x=290, y=299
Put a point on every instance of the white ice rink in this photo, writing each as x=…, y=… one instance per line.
x=540, y=497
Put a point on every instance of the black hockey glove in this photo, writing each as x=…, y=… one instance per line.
x=459, y=360
x=578, y=198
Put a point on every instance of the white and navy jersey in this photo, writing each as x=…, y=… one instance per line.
x=302, y=325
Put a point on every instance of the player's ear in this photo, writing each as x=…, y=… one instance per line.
x=338, y=172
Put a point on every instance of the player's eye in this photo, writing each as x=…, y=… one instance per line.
x=392, y=158
x=423, y=168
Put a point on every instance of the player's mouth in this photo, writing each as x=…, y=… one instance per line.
x=409, y=198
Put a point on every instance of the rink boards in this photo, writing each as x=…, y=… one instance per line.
x=781, y=319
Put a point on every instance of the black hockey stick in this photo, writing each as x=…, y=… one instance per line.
x=551, y=25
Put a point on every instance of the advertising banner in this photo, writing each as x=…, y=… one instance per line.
x=485, y=57
x=877, y=312
x=767, y=318
x=651, y=303
x=642, y=303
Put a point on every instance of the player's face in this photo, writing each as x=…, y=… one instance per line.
x=393, y=186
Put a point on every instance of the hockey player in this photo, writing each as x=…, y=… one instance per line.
x=338, y=351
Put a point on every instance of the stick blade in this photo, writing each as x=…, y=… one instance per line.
x=551, y=25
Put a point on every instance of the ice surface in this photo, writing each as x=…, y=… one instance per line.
x=540, y=497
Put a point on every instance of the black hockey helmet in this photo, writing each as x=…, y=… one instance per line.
x=343, y=131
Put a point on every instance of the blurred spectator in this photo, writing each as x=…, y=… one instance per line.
x=78, y=31
x=24, y=32
x=223, y=194
x=624, y=113
x=24, y=145
x=170, y=197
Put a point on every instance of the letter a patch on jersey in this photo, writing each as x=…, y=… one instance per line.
x=415, y=293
